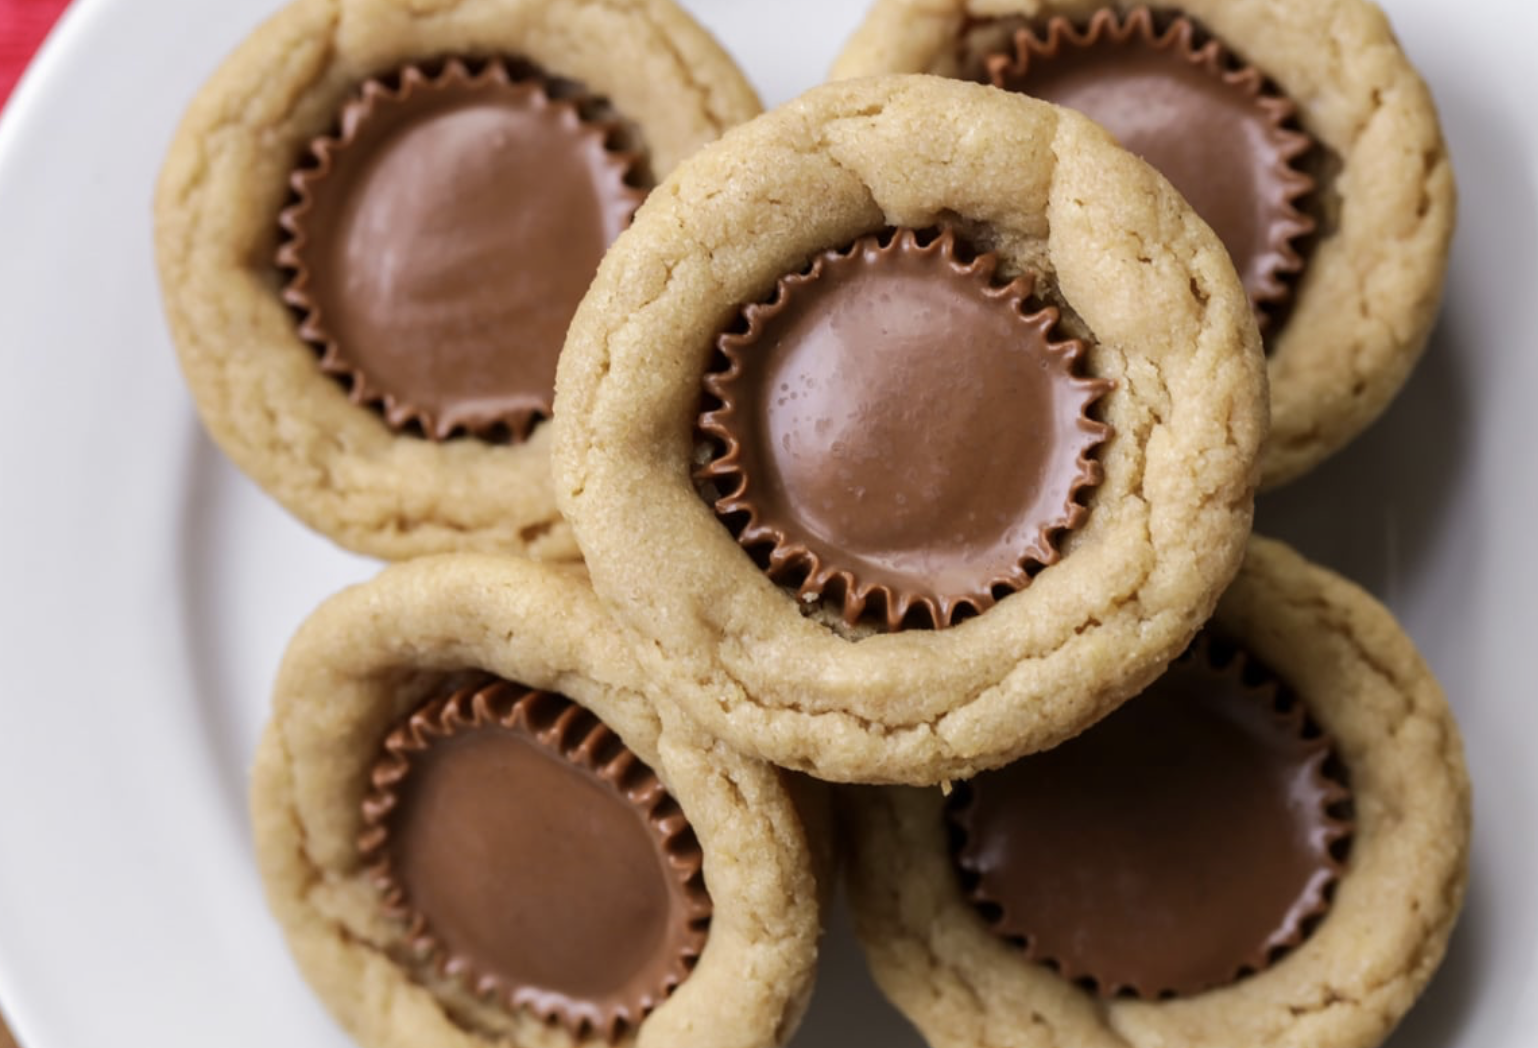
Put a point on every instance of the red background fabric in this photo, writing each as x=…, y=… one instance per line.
x=23, y=24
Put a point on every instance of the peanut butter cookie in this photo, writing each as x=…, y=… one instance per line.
x=1339, y=209
x=1268, y=847
x=372, y=229
x=916, y=423
x=475, y=831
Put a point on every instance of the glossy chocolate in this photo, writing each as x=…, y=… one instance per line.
x=442, y=244
x=539, y=858
x=1173, y=848
x=898, y=421
x=1217, y=132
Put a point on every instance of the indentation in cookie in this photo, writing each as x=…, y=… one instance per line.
x=533, y=858
x=440, y=239
x=895, y=430
x=1173, y=94
x=1187, y=841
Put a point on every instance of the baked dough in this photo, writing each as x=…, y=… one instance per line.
x=1109, y=242
x=373, y=654
x=1373, y=283
x=1346, y=986
x=257, y=385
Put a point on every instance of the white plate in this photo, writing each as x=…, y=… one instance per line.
x=146, y=589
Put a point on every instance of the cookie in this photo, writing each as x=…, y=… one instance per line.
x=372, y=228
x=916, y=424
x=1339, y=210
x=1268, y=847
x=473, y=829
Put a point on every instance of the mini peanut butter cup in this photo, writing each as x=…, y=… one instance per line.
x=534, y=858
x=441, y=238
x=1213, y=125
x=1187, y=841
x=899, y=431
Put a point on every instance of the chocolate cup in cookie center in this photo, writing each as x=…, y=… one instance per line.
x=902, y=425
x=537, y=857
x=1218, y=133
x=442, y=242
x=1180, y=844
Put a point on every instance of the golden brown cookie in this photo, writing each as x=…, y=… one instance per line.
x=1351, y=284
x=474, y=830
x=1266, y=910
x=371, y=230
x=917, y=425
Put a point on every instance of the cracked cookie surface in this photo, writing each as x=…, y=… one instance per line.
x=256, y=382
x=1372, y=287
x=1132, y=271
x=375, y=653
x=1346, y=986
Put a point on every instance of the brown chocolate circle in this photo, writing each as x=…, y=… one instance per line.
x=444, y=241
x=904, y=421
x=1172, y=848
x=539, y=856
x=1217, y=133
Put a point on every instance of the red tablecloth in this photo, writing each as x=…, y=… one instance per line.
x=23, y=24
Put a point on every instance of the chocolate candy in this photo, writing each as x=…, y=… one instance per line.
x=441, y=242
x=535, y=857
x=1182, y=843
x=1211, y=125
x=900, y=433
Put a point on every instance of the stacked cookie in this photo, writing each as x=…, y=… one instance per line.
x=909, y=437
x=475, y=827
x=346, y=282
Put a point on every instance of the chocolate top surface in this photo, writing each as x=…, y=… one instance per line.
x=900, y=418
x=1216, y=132
x=444, y=243
x=1172, y=848
x=554, y=870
